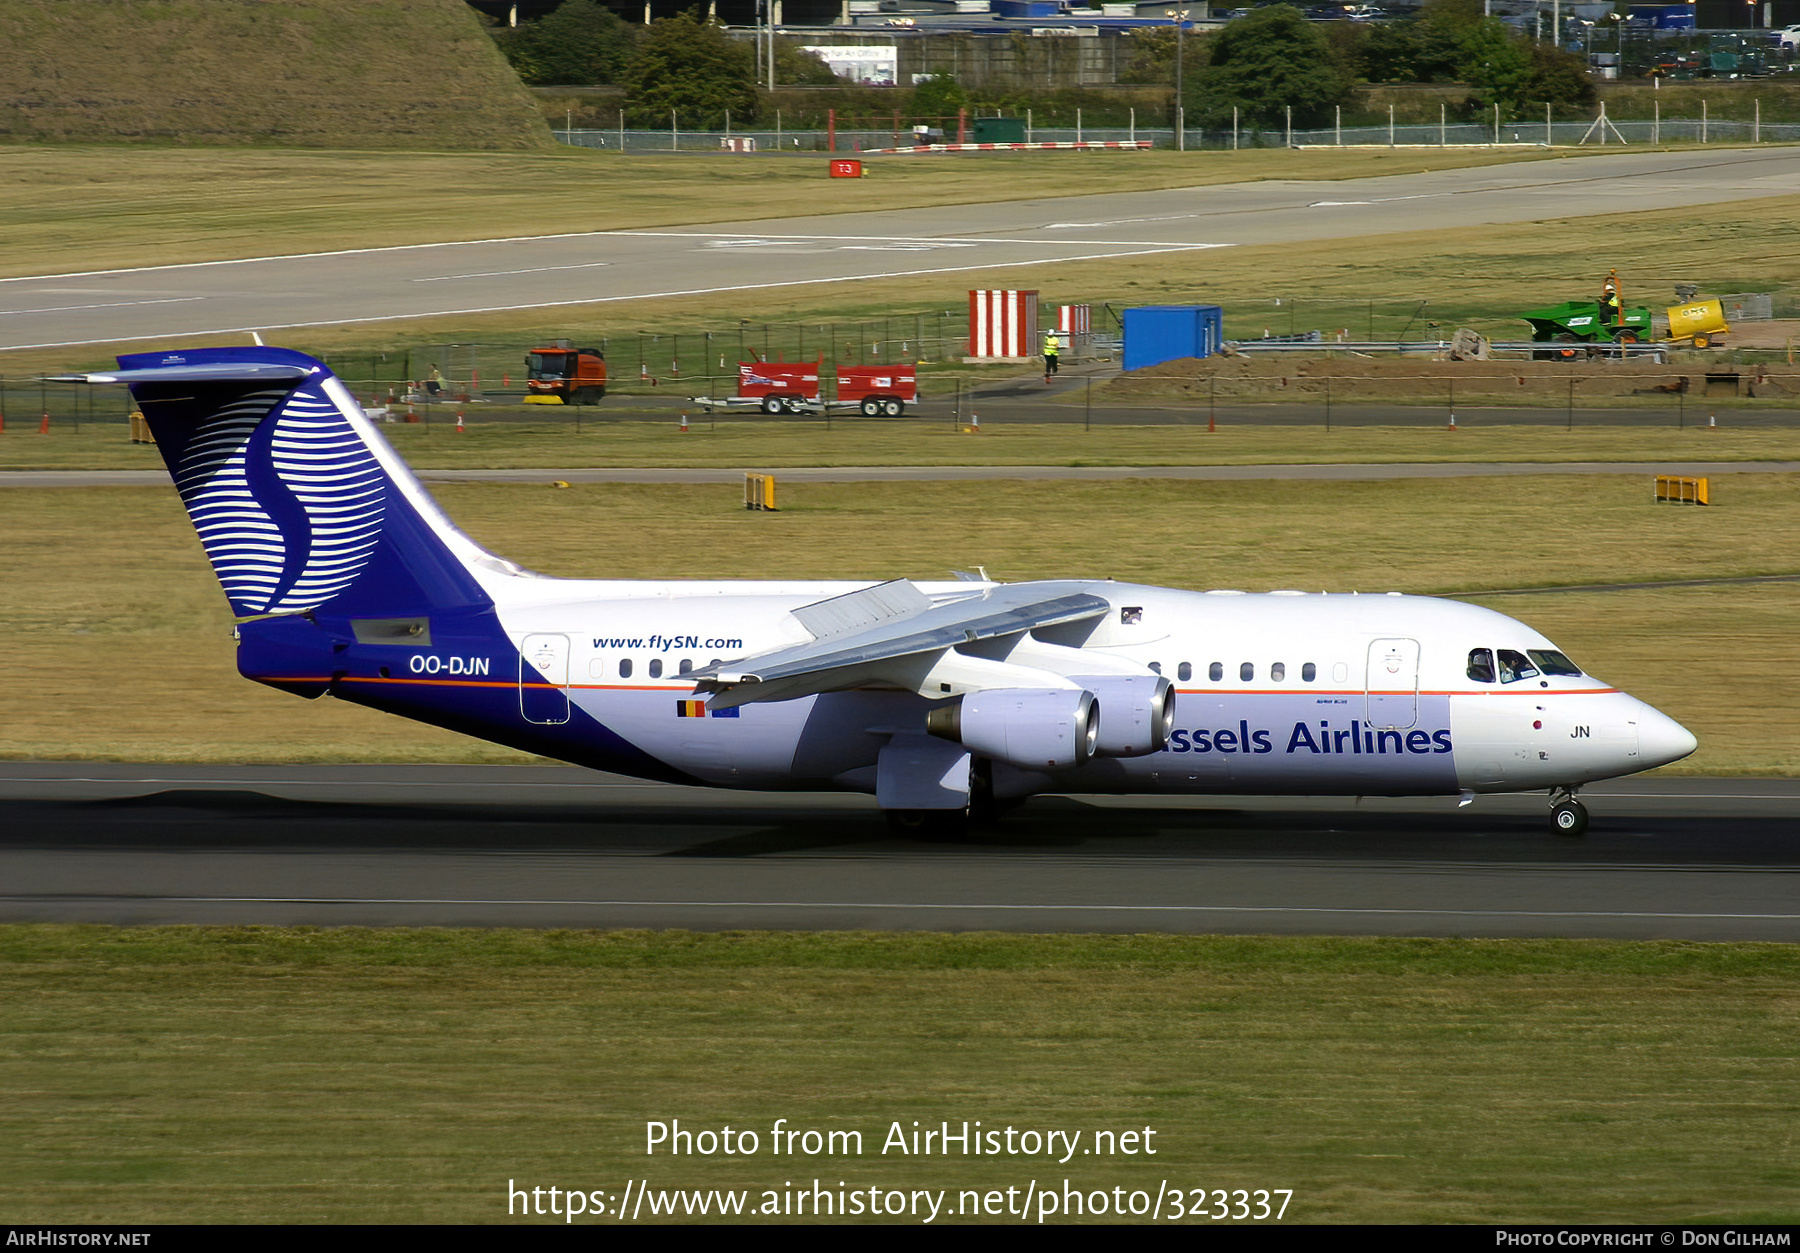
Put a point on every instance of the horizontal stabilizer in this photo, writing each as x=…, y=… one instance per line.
x=219, y=371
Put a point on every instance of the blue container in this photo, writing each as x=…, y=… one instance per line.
x=1158, y=333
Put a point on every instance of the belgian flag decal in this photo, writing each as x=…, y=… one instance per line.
x=697, y=709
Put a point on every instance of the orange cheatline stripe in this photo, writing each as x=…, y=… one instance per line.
x=1181, y=691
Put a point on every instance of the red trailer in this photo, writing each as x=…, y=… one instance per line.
x=878, y=390
x=793, y=387
x=777, y=386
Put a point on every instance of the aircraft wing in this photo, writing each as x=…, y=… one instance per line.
x=858, y=637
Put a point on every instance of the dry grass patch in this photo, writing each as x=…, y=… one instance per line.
x=208, y=1075
x=739, y=444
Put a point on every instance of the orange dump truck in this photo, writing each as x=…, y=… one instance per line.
x=562, y=374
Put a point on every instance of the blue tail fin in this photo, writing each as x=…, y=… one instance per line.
x=302, y=506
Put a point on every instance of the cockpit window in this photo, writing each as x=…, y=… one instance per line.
x=1552, y=662
x=1481, y=665
x=1515, y=666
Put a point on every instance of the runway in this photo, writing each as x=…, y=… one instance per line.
x=498, y=275
x=1669, y=858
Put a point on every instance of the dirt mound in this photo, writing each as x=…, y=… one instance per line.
x=1275, y=377
x=302, y=73
x=1781, y=334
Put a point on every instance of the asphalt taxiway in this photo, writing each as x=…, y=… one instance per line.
x=1673, y=858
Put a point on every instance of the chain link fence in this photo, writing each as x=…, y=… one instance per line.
x=1444, y=134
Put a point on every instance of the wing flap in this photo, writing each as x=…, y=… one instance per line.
x=931, y=627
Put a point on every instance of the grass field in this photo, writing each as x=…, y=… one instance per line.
x=120, y=649
x=736, y=443
x=182, y=1075
x=303, y=74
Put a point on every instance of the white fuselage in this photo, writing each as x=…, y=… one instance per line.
x=1277, y=692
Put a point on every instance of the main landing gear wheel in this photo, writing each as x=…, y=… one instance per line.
x=928, y=824
x=1568, y=816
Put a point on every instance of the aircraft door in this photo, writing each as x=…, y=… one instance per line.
x=544, y=679
x=1391, y=693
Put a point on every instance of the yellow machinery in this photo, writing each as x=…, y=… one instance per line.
x=1702, y=321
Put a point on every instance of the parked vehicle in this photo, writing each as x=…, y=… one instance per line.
x=562, y=374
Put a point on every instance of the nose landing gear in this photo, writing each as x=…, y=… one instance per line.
x=1568, y=816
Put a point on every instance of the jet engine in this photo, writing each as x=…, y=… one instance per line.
x=1034, y=729
x=1137, y=712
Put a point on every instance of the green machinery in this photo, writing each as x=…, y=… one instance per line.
x=1586, y=322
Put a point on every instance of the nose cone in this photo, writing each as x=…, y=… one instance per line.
x=1662, y=740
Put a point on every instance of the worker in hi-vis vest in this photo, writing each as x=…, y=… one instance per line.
x=1052, y=346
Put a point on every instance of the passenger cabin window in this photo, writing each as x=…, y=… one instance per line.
x=1515, y=666
x=1184, y=671
x=1309, y=672
x=656, y=667
x=1278, y=672
x=1481, y=665
x=624, y=667
x=686, y=665
x=1156, y=667
x=1247, y=671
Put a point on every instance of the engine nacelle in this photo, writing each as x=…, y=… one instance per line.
x=1034, y=729
x=1137, y=712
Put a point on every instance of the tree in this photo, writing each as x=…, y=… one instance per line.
x=1265, y=63
x=686, y=64
x=1153, y=56
x=582, y=42
x=939, y=96
x=1559, y=77
x=1498, y=67
x=796, y=67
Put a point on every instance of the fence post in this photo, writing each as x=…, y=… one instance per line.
x=1390, y=126
x=674, y=134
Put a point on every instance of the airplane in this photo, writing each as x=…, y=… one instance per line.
x=942, y=699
